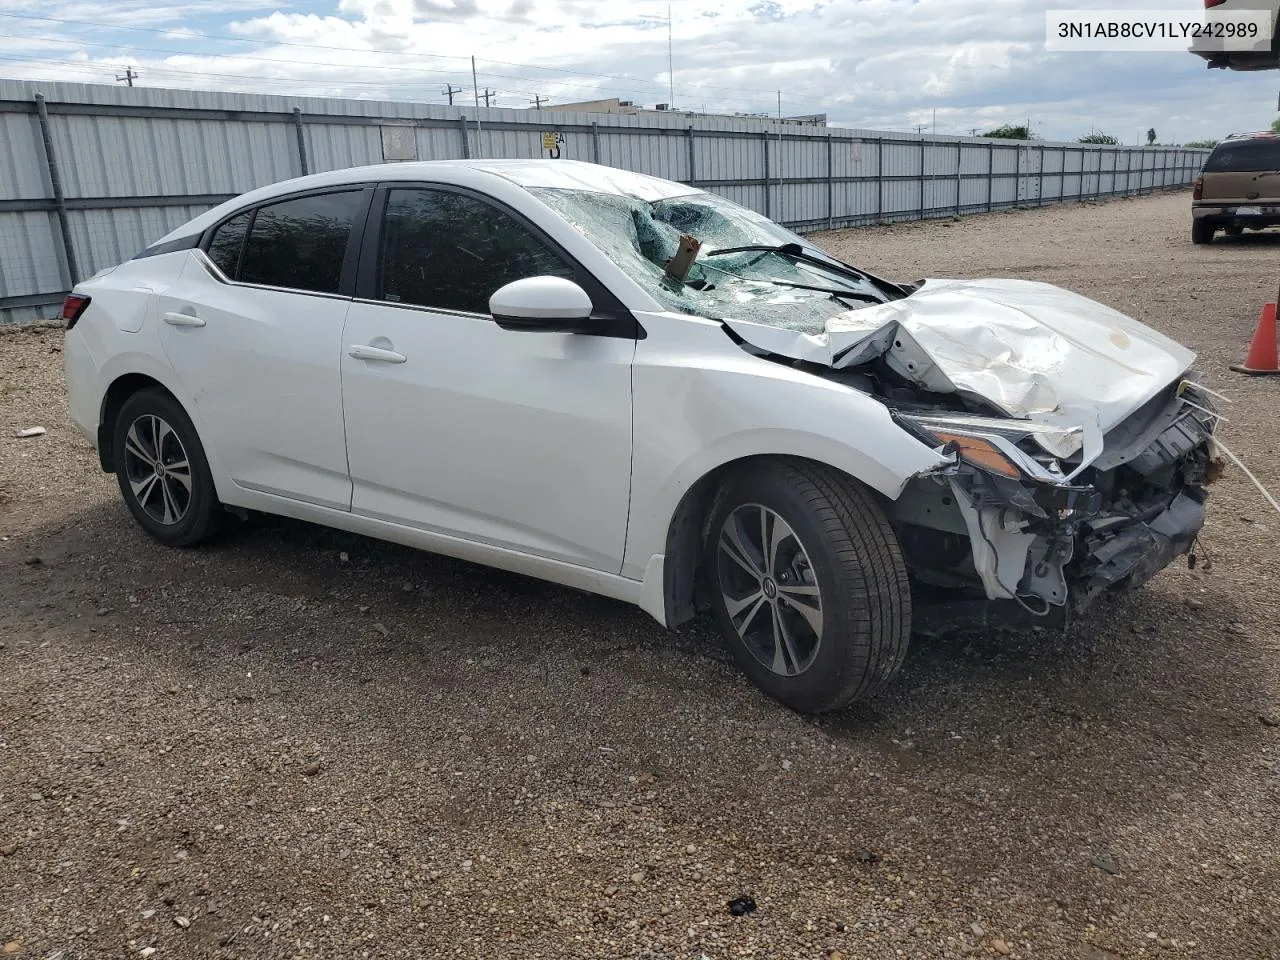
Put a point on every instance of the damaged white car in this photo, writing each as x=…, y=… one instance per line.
x=631, y=387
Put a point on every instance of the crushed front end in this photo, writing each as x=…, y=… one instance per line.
x=1013, y=520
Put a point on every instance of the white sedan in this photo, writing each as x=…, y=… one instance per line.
x=631, y=387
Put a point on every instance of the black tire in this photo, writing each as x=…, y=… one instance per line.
x=1201, y=231
x=195, y=517
x=849, y=552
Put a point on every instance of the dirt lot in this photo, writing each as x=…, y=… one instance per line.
x=259, y=749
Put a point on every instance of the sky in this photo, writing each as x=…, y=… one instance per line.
x=954, y=66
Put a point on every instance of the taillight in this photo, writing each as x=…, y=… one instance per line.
x=1198, y=190
x=1213, y=3
x=72, y=306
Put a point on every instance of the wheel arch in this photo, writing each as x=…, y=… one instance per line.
x=682, y=558
x=113, y=400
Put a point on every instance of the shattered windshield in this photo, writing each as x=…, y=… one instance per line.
x=775, y=283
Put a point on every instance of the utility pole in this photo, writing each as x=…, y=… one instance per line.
x=920, y=127
x=487, y=94
x=973, y=131
x=671, y=70
x=537, y=101
x=130, y=75
x=935, y=120
x=450, y=90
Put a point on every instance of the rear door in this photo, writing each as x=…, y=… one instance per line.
x=1243, y=172
x=253, y=329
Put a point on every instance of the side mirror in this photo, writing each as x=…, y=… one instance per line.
x=549, y=304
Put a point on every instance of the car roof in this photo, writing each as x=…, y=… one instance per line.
x=1259, y=135
x=526, y=174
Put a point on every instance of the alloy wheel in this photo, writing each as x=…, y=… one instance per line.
x=158, y=469
x=769, y=589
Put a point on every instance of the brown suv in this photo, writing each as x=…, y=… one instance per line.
x=1239, y=187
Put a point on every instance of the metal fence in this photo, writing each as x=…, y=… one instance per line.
x=91, y=174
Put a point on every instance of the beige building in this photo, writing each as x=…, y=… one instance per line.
x=628, y=107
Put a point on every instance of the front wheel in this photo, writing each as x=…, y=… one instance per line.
x=807, y=584
x=162, y=471
x=1201, y=231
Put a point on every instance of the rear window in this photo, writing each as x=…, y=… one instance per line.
x=1245, y=156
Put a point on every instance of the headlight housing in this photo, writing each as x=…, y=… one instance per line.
x=991, y=444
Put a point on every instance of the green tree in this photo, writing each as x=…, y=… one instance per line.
x=1010, y=132
x=1275, y=125
x=1204, y=144
x=1151, y=136
x=1098, y=137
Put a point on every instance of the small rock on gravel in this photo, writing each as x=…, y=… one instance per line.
x=1000, y=947
x=741, y=906
x=9, y=849
x=310, y=769
x=1106, y=865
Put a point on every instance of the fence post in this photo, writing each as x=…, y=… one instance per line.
x=831, y=187
x=1017, y=181
x=595, y=142
x=1040, y=183
x=959, y=174
x=922, y=180
x=764, y=142
x=466, y=140
x=302, y=143
x=693, y=174
x=879, y=179
x=59, y=199
x=991, y=174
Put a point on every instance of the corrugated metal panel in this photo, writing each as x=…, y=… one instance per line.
x=30, y=254
x=22, y=170
x=148, y=143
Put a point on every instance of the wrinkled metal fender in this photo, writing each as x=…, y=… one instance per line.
x=702, y=402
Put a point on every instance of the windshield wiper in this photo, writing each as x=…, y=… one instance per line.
x=795, y=252
x=847, y=294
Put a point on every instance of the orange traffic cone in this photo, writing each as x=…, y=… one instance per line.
x=1262, y=358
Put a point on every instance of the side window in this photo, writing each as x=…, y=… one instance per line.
x=228, y=239
x=300, y=243
x=447, y=250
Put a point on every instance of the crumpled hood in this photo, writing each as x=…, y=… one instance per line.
x=1033, y=350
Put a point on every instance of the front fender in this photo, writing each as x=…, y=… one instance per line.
x=696, y=412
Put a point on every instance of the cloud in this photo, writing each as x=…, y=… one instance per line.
x=884, y=64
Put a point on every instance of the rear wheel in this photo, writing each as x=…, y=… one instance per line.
x=807, y=584
x=1201, y=231
x=162, y=471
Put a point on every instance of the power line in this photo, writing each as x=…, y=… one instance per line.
x=317, y=46
x=330, y=65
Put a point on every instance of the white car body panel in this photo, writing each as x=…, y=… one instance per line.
x=262, y=371
x=519, y=440
x=1035, y=351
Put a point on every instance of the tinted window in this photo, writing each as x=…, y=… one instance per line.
x=300, y=243
x=1248, y=156
x=224, y=248
x=452, y=251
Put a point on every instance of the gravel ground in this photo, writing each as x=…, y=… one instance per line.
x=261, y=749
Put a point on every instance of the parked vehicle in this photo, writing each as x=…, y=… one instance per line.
x=1238, y=188
x=642, y=390
x=1264, y=54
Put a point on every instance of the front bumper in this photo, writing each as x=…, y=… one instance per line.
x=1049, y=551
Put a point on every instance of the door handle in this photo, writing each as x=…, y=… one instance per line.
x=182, y=320
x=360, y=351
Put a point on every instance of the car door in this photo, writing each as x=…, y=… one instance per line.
x=517, y=439
x=253, y=329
